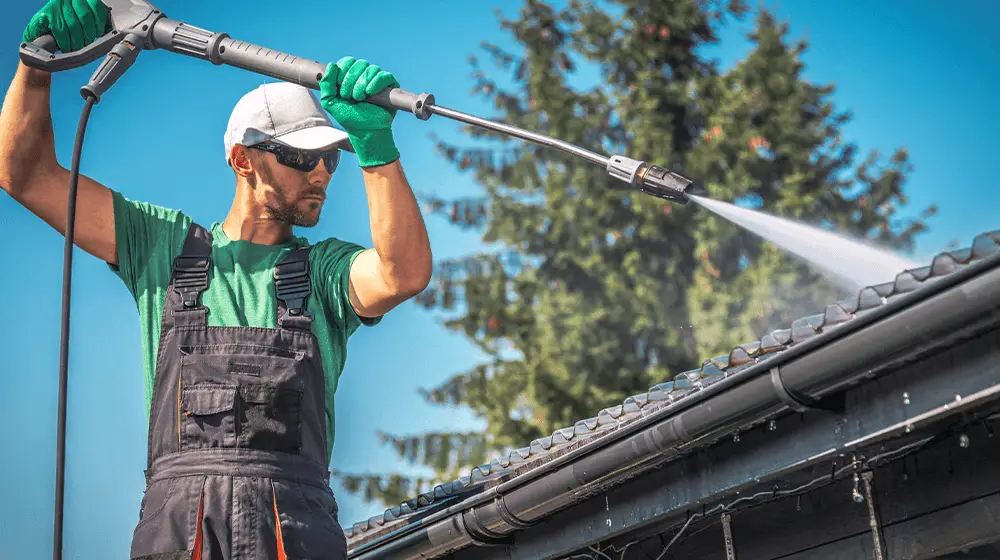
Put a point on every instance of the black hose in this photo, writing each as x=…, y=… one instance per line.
x=74, y=175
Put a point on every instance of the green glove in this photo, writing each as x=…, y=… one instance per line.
x=74, y=23
x=344, y=87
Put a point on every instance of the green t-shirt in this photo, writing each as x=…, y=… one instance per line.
x=241, y=291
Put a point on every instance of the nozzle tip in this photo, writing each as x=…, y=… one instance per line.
x=696, y=189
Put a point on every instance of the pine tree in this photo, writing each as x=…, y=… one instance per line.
x=600, y=292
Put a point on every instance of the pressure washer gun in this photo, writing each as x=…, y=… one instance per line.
x=138, y=25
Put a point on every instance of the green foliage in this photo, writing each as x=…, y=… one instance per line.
x=598, y=292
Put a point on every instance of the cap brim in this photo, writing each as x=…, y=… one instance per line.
x=316, y=137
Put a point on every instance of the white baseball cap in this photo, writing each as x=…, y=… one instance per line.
x=283, y=112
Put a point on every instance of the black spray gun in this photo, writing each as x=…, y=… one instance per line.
x=137, y=25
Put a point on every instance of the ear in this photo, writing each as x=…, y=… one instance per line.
x=239, y=159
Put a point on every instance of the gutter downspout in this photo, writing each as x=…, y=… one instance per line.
x=802, y=373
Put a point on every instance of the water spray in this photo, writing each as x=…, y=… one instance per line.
x=849, y=263
x=136, y=25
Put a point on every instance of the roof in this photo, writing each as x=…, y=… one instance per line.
x=585, y=432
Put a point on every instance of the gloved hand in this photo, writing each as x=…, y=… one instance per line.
x=74, y=23
x=344, y=87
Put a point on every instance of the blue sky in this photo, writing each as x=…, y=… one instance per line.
x=914, y=74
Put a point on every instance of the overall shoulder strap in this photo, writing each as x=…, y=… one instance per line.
x=293, y=286
x=191, y=270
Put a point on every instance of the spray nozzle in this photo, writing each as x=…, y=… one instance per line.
x=663, y=183
x=650, y=179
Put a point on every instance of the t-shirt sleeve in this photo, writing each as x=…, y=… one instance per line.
x=140, y=229
x=334, y=258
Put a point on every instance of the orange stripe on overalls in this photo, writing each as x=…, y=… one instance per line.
x=277, y=528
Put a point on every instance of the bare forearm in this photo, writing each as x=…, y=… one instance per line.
x=27, y=146
x=31, y=175
x=398, y=230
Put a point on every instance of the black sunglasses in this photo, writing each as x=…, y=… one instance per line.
x=303, y=160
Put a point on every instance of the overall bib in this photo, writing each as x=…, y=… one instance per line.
x=237, y=458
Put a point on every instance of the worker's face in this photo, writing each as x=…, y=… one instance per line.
x=288, y=195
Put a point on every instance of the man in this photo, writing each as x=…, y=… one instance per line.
x=244, y=325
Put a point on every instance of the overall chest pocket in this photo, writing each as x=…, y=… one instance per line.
x=208, y=416
x=270, y=418
x=244, y=401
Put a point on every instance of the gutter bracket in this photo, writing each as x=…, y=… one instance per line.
x=480, y=535
x=509, y=517
x=801, y=402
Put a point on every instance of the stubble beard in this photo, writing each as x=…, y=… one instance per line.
x=289, y=212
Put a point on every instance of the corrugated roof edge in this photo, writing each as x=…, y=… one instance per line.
x=683, y=384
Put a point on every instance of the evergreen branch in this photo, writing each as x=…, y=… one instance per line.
x=441, y=451
x=467, y=213
x=390, y=490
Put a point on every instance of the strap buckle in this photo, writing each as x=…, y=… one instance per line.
x=293, y=284
x=191, y=278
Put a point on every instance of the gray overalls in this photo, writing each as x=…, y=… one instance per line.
x=237, y=460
